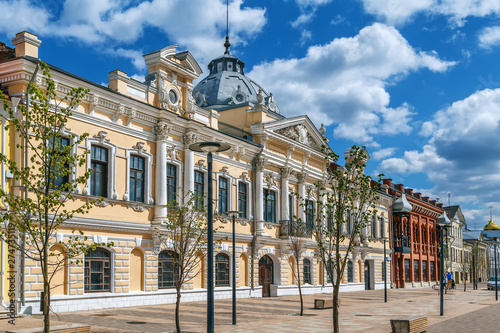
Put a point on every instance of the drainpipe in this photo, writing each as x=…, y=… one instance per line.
x=15, y=102
x=254, y=218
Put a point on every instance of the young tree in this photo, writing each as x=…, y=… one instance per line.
x=346, y=203
x=297, y=244
x=184, y=234
x=35, y=213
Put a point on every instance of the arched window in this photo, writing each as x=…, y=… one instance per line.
x=267, y=270
x=307, y=271
x=167, y=269
x=97, y=275
x=350, y=275
x=221, y=270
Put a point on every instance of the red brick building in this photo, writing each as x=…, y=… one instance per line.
x=414, y=238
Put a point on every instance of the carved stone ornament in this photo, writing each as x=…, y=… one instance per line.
x=200, y=164
x=188, y=139
x=173, y=153
x=224, y=171
x=244, y=176
x=201, y=100
x=101, y=136
x=140, y=147
x=298, y=133
x=260, y=163
x=236, y=153
x=286, y=172
x=120, y=112
x=270, y=179
x=162, y=130
x=138, y=207
x=104, y=203
x=301, y=177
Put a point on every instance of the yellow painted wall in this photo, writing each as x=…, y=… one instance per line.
x=136, y=270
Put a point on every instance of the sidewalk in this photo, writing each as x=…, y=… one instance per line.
x=362, y=311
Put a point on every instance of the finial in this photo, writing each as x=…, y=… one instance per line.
x=227, y=44
x=491, y=213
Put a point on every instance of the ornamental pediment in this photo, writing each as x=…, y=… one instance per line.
x=300, y=134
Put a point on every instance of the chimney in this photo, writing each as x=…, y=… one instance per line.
x=426, y=199
x=26, y=44
x=418, y=195
x=409, y=191
x=433, y=202
x=387, y=181
x=118, y=81
x=440, y=205
x=399, y=187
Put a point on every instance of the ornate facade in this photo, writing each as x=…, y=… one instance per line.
x=146, y=128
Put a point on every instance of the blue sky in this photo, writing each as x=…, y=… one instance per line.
x=417, y=82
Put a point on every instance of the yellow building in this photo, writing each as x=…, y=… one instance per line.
x=147, y=127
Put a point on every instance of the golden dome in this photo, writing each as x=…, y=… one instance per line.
x=492, y=226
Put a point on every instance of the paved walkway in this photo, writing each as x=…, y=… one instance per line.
x=362, y=311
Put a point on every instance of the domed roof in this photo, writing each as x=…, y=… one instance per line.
x=492, y=226
x=227, y=86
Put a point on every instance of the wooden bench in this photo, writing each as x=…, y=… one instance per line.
x=323, y=303
x=69, y=328
x=409, y=324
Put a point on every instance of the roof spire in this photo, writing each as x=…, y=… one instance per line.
x=227, y=44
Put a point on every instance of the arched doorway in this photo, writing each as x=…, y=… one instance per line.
x=266, y=275
x=367, y=275
x=136, y=270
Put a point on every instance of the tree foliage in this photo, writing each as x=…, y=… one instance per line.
x=347, y=200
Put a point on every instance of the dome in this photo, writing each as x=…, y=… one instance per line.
x=227, y=87
x=492, y=226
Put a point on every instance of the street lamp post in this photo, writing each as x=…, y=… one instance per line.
x=444, y=222
x=473, y=269
x=209, y=148
x=234, y=213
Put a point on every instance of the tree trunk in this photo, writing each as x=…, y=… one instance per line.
x=336, y=289
x=46, y=291
x=465, y=285
x=177, y=307
x=301, y=300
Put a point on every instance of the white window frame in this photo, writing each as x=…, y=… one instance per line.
x=63, y=132
x=203, y=170
x=148, y=162
x=178, y=176
x=100, y=140
x=278, y=202
x=249, y=195
x=230, y=182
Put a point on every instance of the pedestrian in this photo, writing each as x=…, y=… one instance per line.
x=453, y=286
x=449, y=277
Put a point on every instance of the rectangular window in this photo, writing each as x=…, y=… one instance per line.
x=329, y=219
x=136, y=178
x=348, y=222
x=269, y=206
x=58, y=149
x=424, y=271
x=374, y=226
x=416, y=271
x=407, y=270
x=99, y=166
x=222, y=196
x=290, y=208
x=199, y=188
x=431, y=264
x=172, y=184
x=309, y=214
x=242, y=199
x=381, y=226
x=350, y=273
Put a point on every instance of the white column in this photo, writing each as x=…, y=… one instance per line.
x=285, y=203
x=302, y=194
x=162, y=130
x=259, y=195
x=189, y=139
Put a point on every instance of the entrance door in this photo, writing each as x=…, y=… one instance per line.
x=266, y=275
x=367, y=275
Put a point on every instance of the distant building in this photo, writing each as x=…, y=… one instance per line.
x=455, y=257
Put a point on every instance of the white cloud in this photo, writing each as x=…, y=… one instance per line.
x=398, y=11
x=489, y=37
x=383, y=153
x=305, y=36
x=343, y=82
x=312, y=3
x=462, y=155
x=135, y=56
x=112, y=22
x=302, y=19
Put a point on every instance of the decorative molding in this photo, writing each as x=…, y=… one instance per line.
x=173, y=153
x=138, y=207
x=101, y=136
x=301, y=177
x=300, y=134
x=286, y=172
x=188, y=139
x=260, y=164
x=162, y=130
x=200, y=164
